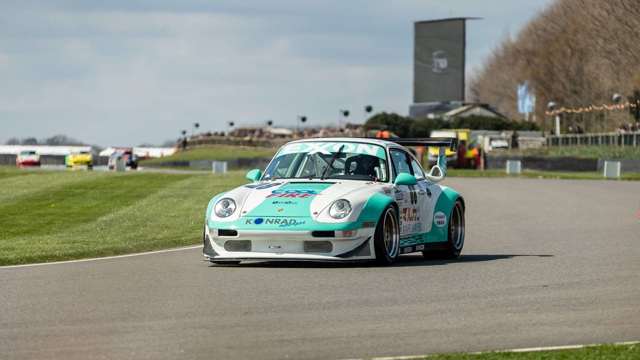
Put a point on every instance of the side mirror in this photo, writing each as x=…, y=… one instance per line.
x=436, y=174
x=406, y=179
x=254, y=175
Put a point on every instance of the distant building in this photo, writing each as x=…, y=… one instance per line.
x=452, y=109
x=475, y=109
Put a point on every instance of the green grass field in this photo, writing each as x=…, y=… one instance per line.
x=49, y=216
x=218, y=152
x=602, y=352
x=586, y=152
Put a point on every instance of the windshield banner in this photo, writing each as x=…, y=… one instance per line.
x=328, y=148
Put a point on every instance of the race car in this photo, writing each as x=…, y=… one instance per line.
x=338, y=199
x=27, y=158
x=81, y=158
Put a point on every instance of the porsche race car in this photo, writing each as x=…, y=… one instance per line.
x=338, y=199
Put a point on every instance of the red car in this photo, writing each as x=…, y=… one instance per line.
x=27, y=158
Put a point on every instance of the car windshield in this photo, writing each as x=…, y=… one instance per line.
x=329, y=160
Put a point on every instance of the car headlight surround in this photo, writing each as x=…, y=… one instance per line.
x=225, y=207
x=340, y=209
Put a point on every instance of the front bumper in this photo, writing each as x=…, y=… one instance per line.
x=287, y=245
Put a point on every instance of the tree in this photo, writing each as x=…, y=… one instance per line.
x=393, y=122
x=575, y=52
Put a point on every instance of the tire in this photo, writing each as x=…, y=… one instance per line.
x=455, y=235
x=387, y=237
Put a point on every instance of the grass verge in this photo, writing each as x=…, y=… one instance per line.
x=600, y=352
x=70, y=215
x=217, y=152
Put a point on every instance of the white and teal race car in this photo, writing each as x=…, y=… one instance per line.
x=338, y=199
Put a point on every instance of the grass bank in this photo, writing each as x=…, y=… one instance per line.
x=217, y=152
x=51, y=216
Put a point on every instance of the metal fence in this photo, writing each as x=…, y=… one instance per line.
x=609, y=139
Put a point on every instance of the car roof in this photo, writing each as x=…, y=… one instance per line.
x=383, y=143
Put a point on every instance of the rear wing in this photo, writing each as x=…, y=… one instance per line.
x=439, y=171
x=451, y=143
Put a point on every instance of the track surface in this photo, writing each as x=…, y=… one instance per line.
x=546, y=262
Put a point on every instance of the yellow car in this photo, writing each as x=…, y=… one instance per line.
x=452, y=155
x=82, y=158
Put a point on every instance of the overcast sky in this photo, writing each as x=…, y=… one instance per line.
x=125, y=72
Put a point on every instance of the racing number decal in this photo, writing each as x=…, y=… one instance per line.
x=413, y=195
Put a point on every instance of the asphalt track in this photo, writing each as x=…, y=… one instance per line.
x=546, y=262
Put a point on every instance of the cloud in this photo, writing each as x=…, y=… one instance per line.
x=127, y=72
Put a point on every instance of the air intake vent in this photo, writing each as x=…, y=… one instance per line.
x=225, y=232
x=323, y=234
x=318, y=246
x=237, y=245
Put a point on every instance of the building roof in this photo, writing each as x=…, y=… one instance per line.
x=468, y=107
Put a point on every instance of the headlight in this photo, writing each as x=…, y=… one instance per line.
x=225, y=207
x=340, y=209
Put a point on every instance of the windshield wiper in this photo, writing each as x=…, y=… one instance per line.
x=330, y=164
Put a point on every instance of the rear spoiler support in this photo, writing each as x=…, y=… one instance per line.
x=439, y=171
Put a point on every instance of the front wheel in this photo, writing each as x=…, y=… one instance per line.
x=387, y=237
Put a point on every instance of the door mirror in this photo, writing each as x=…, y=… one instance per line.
x=436, y=174
x=254, y=175
x=406, y=179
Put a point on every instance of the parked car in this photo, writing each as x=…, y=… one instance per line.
x=81, y=158
x=461, y=135
x=338, y=199
x=28, y=158
x=129, y=158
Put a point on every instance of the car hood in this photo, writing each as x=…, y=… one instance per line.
x=301, y=198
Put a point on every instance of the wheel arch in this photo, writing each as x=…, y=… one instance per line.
x=374, y=207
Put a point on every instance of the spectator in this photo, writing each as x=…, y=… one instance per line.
x=514, y=140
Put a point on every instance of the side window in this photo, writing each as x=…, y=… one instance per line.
x=400, y=162
x=417, y=170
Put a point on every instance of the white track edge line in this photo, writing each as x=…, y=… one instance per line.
x=518, y=350
x=102, y=258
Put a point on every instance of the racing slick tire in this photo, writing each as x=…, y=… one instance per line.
x=386, y=240
x=455, y=235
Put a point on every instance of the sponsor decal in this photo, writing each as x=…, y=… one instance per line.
x=280, y=222
x=262, y=186
x=287, y=202
x=327, y=148
x=410, y=215
x=300, y=194
x=440, y=219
